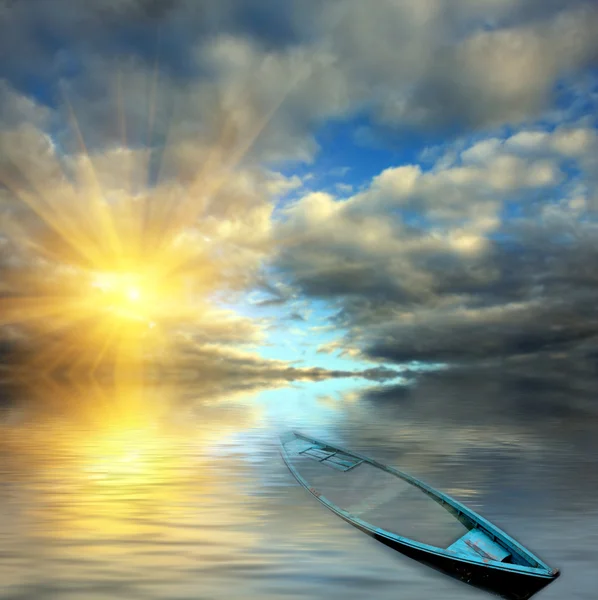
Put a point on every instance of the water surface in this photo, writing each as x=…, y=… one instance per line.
x=194, y=501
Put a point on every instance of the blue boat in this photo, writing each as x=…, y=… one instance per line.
x=478, y=552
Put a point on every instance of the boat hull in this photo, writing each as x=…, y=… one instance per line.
x=508, y=584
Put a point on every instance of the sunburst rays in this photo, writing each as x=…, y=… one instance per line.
x=105, y=266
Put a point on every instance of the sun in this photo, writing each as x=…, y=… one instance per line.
x=133, y=294
x=115, y=250
x=129, y=295
x=115, y=317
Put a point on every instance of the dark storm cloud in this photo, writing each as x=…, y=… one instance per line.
x=540, y=299
x=46, y=39
x=525, y=62
x=454, y=339
x=528, y=297
x=459, y=65
x=160, y=68
x=405, y=63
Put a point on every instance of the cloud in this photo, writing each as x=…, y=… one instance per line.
x=406, y=64
x=185, y=109
x=221, y=369
x=411, y=236
x=510, y=72
x=279, y=185
x=494, y=332
x=485, y=258
x=343, y=188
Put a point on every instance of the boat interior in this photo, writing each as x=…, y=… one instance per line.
x=471, y=541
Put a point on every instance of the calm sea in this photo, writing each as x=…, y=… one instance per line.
x=177, y=496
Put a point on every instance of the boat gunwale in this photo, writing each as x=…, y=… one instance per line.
x=543, y=572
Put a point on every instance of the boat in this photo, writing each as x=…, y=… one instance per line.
x=473, y=550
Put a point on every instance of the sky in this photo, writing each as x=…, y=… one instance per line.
x=303, y=190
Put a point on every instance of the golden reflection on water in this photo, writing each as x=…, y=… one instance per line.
x=118, y=490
